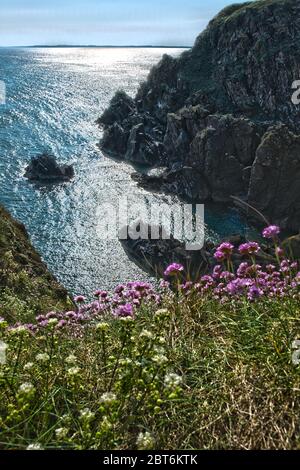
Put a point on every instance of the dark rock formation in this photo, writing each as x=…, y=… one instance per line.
x=45, y=169
x=211, y=116
x=154, y=255
x=274, y=187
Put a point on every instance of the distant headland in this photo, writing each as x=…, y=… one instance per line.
x=90, y=46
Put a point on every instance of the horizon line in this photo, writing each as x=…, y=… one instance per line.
x=107, y=46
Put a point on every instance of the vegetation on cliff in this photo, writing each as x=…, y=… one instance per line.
x=26, y=286
x=206, y=365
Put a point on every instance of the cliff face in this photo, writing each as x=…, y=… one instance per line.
x=210, y=114
x=26, y=286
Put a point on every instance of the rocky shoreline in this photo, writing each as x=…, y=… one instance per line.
x=219, y=120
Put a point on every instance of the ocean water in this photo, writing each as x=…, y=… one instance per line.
x=54, y=97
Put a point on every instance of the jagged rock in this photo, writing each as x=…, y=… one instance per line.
x=221, y=151
x=142, y=148
x=114, y=140
x=44, y=168
x=154, y=256
x=121, y=106
x=275, y=175
x=209, y=109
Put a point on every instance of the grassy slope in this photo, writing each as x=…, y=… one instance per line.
x=240, y=389
x=25, y=283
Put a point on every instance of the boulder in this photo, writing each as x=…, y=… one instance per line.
x=44, y=168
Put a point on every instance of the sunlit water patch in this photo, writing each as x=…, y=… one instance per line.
x=54, y=97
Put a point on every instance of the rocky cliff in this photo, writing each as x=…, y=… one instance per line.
x=26, y=286
x=220, y=117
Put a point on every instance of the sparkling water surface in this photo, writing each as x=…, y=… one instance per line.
x=54, y=97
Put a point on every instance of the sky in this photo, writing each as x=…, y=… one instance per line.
x=105, y=22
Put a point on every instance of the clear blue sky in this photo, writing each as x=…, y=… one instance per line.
x=116, y=22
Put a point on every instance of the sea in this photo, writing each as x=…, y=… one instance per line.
x=53, y=99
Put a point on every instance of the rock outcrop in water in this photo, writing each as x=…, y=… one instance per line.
x=220, y=117
x=45, y=169
x=26, y=286
x=154, y=255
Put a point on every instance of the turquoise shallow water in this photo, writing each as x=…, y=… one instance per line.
x=54, y=97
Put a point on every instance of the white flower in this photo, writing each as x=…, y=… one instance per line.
x=43, y=357
x=18, y=330
x=52, y=322
x=145, y=441
x=161, y=340
x=87, y=414
x=161, y=312
x=102, y=326
x=160, y=359
x=28, y=366
x=159, y=349
x=74, y=371
x=172, y=380
x=72, y=359
x=26, y=388
x=61, y=433
x=3, y=323
x=126, y=361
x=146, y=334
x=108, y=398
x=35, y=446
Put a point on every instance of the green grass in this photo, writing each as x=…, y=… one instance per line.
x=239, y=389
x=26, y=286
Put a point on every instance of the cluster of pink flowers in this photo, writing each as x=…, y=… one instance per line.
x=249, y=281
x=224, y=251
x=123, y=302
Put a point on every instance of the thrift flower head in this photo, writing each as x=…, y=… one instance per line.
x=219, y=256
x=271, y=231
x=226, y=248
x=79, y=299
x=249, y=248
x=125, y=310
x=174, y=269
